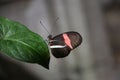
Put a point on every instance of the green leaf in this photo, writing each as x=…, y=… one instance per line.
x=17, y=41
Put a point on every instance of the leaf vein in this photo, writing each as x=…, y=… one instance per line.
x=23, y=43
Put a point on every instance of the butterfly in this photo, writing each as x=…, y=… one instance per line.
x=61, y=45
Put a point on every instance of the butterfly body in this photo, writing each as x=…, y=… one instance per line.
x=62, y=44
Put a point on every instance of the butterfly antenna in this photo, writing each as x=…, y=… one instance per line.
x=53, y=25
x=44, y=27
x=56, y=21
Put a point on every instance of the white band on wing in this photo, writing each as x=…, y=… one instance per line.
x=57, y=46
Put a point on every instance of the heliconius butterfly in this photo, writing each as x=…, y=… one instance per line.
x=62, y=44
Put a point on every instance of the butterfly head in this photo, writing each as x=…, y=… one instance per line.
x=50, y=37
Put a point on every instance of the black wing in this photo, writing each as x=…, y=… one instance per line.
x=75, y=39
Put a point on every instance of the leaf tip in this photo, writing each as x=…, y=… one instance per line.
x=45, y=64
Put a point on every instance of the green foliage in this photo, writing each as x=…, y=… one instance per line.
x=17, y=41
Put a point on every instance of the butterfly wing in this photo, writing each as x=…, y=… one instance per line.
x=60, y=43
x=57, y=51
x=75, y=38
